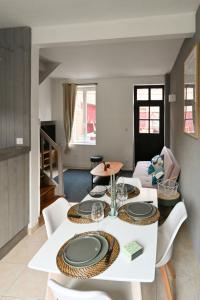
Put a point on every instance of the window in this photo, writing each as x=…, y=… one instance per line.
x=84, y=126
x=150, y=93
x=149, y=119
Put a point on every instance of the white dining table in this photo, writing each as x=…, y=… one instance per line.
x=141, y=269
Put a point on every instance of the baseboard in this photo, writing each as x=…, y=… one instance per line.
x=88, y=168
x=77, y=168
x=34, y=228
x=13, y=242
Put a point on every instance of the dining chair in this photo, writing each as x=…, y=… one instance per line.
x=62, y=293
x=166, y=235
x=90, y=289
x=55, y=214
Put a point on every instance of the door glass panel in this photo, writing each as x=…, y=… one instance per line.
x=143, y=112
x=156, y=94
x=154, y=126
x=142, y=94
x=155, y=112
x=144, y=126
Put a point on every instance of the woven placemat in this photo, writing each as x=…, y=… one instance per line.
x=91, y=271
x=133, y=194
x=146, y=221
x=85, y=220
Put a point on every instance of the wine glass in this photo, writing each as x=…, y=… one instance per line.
x=97, y=213
x=122, y=194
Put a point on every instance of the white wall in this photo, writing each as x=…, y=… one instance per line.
x=45, y=99
x=114, y=121
x=34, y=157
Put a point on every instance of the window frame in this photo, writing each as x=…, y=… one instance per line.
x=85, y=88
x=149, y=103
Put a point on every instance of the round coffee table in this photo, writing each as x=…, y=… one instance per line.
x=99, y=170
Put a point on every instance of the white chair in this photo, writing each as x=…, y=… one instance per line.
x=62, y=293
x=166, y=235
x=55, y=214
x=61, y=288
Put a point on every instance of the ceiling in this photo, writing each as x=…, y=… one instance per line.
x=60, y=12
x=114, y=59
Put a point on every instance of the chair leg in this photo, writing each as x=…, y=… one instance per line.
x=170, y=267
x=166, y=282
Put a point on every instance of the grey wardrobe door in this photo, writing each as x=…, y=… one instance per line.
x=16, y=179
x=4, y=205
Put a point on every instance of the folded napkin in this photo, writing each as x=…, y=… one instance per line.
x=132, y=250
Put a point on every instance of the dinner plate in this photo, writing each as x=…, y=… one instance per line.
x=85, y=207
x=82, y=249
x=139, y=209
x=154, y=209
x=95, y=260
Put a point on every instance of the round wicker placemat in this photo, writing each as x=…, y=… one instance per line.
x=90, y=271
x=146, y=221
x=133, y=194
x=85, y=220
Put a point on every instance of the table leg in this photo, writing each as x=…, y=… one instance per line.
x=136, y=290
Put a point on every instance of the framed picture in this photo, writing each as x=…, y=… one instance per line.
x=191, y=93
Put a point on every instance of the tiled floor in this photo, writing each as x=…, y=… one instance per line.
x=18, y=282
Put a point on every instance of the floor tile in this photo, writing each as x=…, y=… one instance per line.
x=23, y=252
x=29, y=285
x=9, y=274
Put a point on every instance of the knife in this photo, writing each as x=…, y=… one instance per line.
x=110, y=250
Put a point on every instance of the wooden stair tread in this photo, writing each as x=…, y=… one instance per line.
x=46, y=189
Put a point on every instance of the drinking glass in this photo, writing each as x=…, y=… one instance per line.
x=97, y=213
x=122, y=195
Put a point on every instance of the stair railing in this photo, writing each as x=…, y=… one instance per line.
x=53, y=145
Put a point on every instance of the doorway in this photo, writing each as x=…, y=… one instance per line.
x=148, y=121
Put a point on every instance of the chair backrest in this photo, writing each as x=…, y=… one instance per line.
x=168, y=231
x=62, y=293
x=55, y=214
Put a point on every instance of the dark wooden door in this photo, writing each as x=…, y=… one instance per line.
x=148, y=121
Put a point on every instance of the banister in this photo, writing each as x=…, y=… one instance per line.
x=58, y=148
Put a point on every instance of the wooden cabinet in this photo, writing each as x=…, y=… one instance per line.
x=4, y=226
x=14, y=197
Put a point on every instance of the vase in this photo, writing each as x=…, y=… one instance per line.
x=113, y=194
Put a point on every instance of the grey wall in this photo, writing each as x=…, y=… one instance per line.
x=15, y=51
x=15, y=79
x=186, y=148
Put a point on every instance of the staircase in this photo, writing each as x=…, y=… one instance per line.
x=50, y=190
x=46, y=67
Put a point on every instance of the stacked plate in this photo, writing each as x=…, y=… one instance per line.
x=85, y=251
x=85, y=208
x=98, y=191
x=130, y=188
x=140, y=210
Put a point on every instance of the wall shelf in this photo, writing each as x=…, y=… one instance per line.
x=10, y=152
